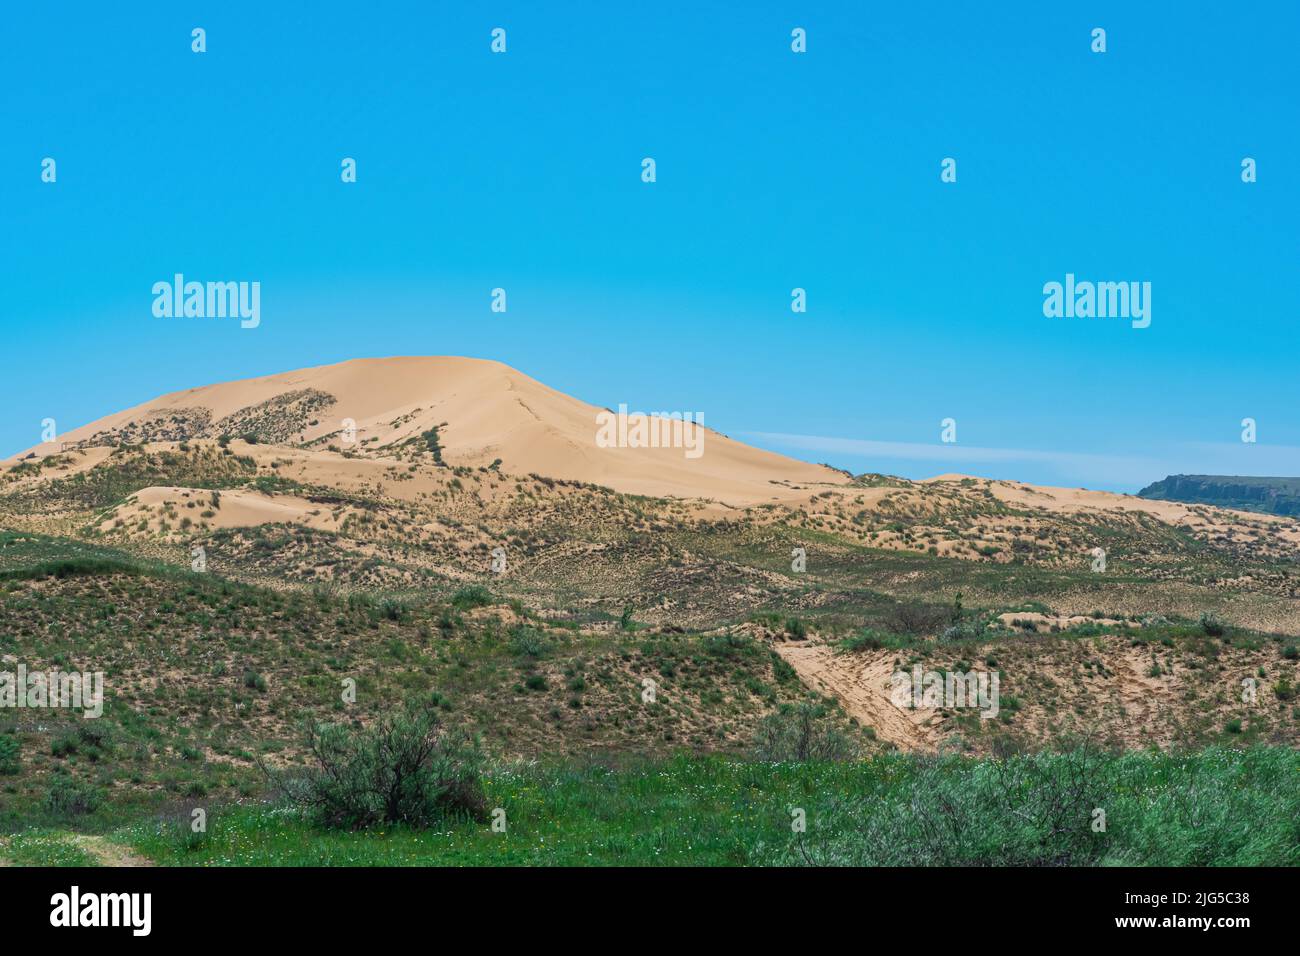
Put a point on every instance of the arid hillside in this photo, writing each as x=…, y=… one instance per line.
x=472, y=539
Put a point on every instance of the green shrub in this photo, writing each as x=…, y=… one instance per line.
x=870, y=639
x=435, y=446
x=391, y=609
x=914, y=617
x=800, y=733
x=782, y=669
x=406, y=768
x=473, y=595
x=67, y=798
x=1021, y=810
x=1212, y=625
x=528, y=642
x=10, y=754
x=865, y=640
x=962, y=631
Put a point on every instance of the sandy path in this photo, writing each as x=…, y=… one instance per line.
x=860, y=682
x=107, y=853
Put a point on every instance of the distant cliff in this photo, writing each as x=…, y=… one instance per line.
x=1277, y=496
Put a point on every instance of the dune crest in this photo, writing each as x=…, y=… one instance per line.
x=483, y=411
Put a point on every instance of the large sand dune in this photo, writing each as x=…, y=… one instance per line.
x=484, y=411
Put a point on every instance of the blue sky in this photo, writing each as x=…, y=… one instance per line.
x=775, y=170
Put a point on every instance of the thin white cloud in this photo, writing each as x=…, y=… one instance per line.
x=1085, y=469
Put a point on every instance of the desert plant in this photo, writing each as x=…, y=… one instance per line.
x=913, y=617
x=962, y=631
x=406, y=768
x=802, y=732
x=393, y=610
x=528, y=641
x=67, y=798
x=870, y=639
x=435, y=446
x=1017, y=810
x=10, y=753
x=470, y=596
x=1212, y=625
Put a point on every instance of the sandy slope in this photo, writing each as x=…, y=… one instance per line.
x=1081, y=500
x=228, y=509
x=490, y=411
x=860, y=682
x=1076, y=499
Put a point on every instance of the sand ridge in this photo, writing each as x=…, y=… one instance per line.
x=483, y=411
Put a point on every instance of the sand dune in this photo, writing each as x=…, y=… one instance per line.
x=1080, y=500
x=210, y=511
x=483, y=410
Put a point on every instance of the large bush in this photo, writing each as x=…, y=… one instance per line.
x=1040, y=809
x=405, y=768
x=10, y=751
x=68, y=798
x=802, y=732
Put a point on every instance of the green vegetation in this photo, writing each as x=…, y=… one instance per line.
x=406, y=768
x=1216, y=807
x=435, y=447
x=208, y=678
x=635, y=679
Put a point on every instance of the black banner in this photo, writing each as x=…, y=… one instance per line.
x=942, y=905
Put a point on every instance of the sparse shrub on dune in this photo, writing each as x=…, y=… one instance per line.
x=434, y=445
x=10, y=754
x=1078, y=807
x=393, y=610
x=915, y=617
x=528, y=641
x=67, y=797
x=406, y=768
x=802, y=732
x=962, y=631
x=471, y=596
x=1212, y=625
x=870, y=639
